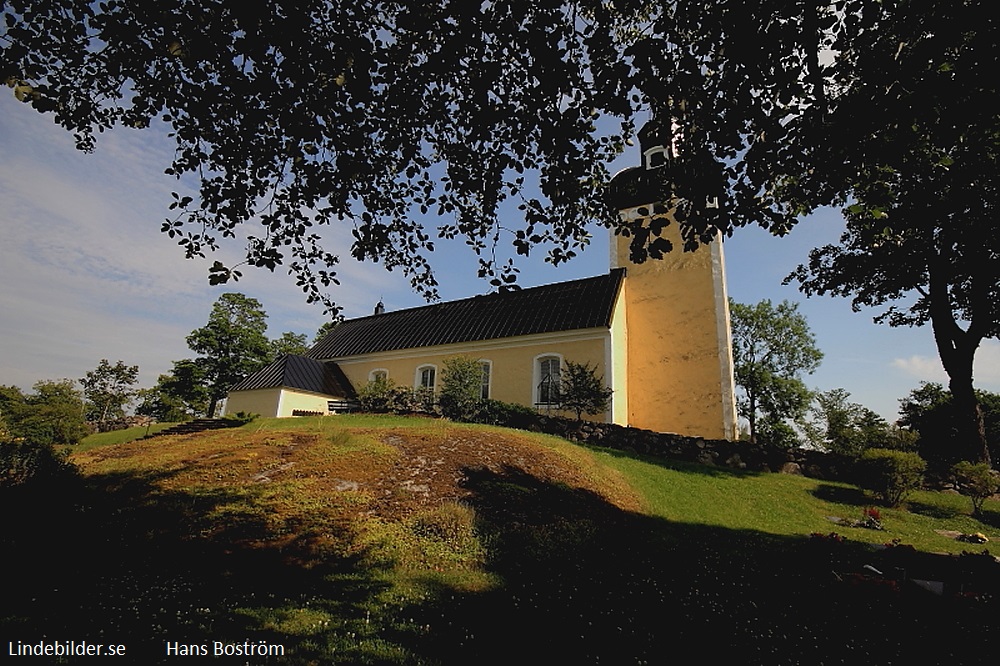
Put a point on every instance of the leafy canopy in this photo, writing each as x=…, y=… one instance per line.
x=52, y=415
x=370, y=115
x=232, y=345
x=108, y=389
x=582, y=391
x=772, y=348
x=461, y=386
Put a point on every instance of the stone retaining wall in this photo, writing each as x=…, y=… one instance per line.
x=723, y=453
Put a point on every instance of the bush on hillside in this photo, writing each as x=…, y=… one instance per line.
x=977, y=481
x=377, y=395
x=509, y=414
x=582, y=391
x=461, y=387
x=424, y=400
x=892, y=475
x=26, y=463
x=241, y=417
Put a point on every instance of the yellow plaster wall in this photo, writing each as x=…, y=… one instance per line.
x=616, y=360
x=275, y=402
x=309, y=402
x=679, y=350
x=261, y=401
x=513, y=362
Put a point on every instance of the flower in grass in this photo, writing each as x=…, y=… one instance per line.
x=871, y=518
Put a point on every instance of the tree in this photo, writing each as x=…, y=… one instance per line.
x=437, y=107
x=108, y=390
x=924, y=150
x=461, y=386
x=398, y=107
x=775, y=108
x=848, y=428
x=325, y=328
x=929, y=410
x=772, y=347
x=232, y=345
x=289, y=343
x=976, y=481
x=187, y=383
x=165, y=403
x=582, y=391
x=52, y=415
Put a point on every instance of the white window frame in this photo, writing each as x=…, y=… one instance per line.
x=487, y=367
x=651, y=153
x=373, y=375
x=536, y=376
x=418, y=376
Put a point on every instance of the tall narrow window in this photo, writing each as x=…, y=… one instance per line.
x=484, y=386
x=426, y=375
x=547, y=389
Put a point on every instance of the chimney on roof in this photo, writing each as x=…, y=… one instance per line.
x=379, y=308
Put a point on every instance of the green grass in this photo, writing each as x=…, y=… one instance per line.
x=794, y=506
x=99, y=439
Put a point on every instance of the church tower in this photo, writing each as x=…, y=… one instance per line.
x=679, y=345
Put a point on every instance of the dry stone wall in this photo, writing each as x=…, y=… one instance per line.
x=718, y=452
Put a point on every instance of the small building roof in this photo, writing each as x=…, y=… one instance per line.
x=565, y=306
x=302, y=373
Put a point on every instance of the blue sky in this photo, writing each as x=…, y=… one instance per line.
x=87, y=274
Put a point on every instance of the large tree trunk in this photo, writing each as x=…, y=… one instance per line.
x=957, y=349
x=969, y=420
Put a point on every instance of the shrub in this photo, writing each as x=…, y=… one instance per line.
x=376, y=396
x=241, y=417
x=424, y=400
x=24, y=463
x=977, y=482
x=892, y=475
x=510, y=414
x=461, y=387
x=582, y=391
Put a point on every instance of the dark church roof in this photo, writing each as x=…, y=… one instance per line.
x=299, y=372
x=566, y=306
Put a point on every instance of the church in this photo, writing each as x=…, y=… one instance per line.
x=657, y=332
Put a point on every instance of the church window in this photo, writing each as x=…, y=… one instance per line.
x=484, y=386
x=426, y=376
x=547, y=372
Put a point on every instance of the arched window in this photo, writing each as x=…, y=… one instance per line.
x=426, y=377
x=655, y=157
x=548, y=371
x=379, y=374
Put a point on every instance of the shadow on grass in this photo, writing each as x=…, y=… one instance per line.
x=678, y=465
x=589, y=583
x=990, y=517
x=117, y=558
x=583, y=582
x=842, y=495
x=932, y=511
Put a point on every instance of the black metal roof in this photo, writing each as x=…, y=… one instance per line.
x=565, y=306
x=300, y=372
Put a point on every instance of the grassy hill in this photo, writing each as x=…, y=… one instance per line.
x=408, y=540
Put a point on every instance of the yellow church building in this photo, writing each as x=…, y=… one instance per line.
x=658, y=332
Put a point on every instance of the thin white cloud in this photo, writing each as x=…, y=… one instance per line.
x=986, y=370
x=921, y=367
